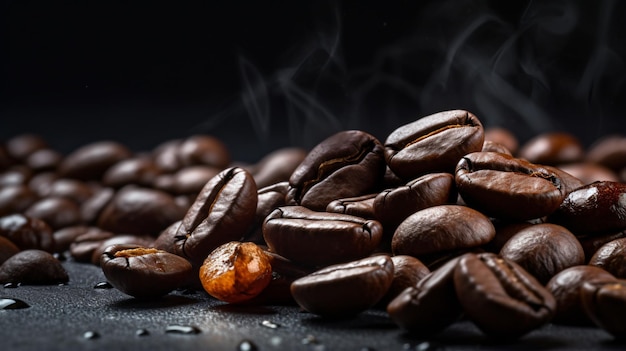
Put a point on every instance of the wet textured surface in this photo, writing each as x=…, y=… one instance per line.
x=60, y=317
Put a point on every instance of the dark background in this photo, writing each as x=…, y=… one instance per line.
x=265, y=74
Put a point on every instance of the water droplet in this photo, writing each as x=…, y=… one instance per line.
x=142, y=332
x=276, y=341
x=103, y=285
x=426, y=346
x=247, y=345
x=309, y=339
x=59, y=256
x=11, y=285
x=182, y=329
x=12, y=304
x=91, y=335
x=270, y=324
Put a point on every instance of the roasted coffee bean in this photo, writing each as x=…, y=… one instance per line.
x=430, y=306
x=40, y=183
x=434, y=143
x=33, y=267
x=27, y=232
x=91, y=161
x=203, y=150
x=569, y=182
x=191, y=180
x=236, y=272
x=500, y=297
x=505, y=187
x=592, y=243
x=565, y=287
x=141, y=211
x=21, y=146
x=91, y=209
x=440, y=230
x=72, y=189
x=166, y=240
x=58, y=212
x=393, y=206
x=605, y=304
x=492, y=146
x=609, y=151
x=143, y=272
x=596, y=208
x=504, y=231
x=165, y=156
x=44, y=160
x=360, y=206
x=347, y=164
x=7, y=249
x=590, y=172
x=407, y=272
x=140, y=171
x=222, y=212
x=277, y=166
x=84, y=245
x=611, y=257
x=503, y=137
x=64, y=237
x=284, y=272
x=124, y=239
x=552, y=149
x=16, y=199
x=16, y=175
x=346, y=289
x=269, y=198
x=544, y=250
x=320, y=238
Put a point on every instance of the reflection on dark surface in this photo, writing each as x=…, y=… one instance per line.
x=163, y=302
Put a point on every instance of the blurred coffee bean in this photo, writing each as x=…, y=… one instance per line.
x=33, y=267
x=611, y=257
x=503, y=137
x=141, y=211
x=83, y=246
x=590, y=172
x=64, y=237
x=320, y=238
x=565, y=287
x=15, y=175
x=434, y=143
x=7, y=249
x=492, y=146
x=284, y=272
x=407, y=272
x=544, y=250
x=347, y=164
x=40, y=183
x=501, y=186
x=552, y=149
x=345, y=289
x=75, y=190
x=165, y=156
x=137, y=170
x=203, y=150
x=57, y=212
x=592, y=243
x=500, y=297
x=360, y=206
x=277, y=166
x=605, y=304
x=191, y=179
x=569, y=182
x=91, y=161
x=91, y=209
x=21, y=146
x=609, y=151
x=27, y=232
x=16, y=199
x=44, y=160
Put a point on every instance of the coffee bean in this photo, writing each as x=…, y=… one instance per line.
x=27, y=232
x=16, y=199
x=58, y=212
x=503, y=137
x=611, y=257
x=91, y=209
x=592, y=243
x=7, y=249
x=407, y=272
x=21, y=146
x=75, y=190
x=191, y=179
x=33, y=267
x=91, y=161
x=345, y=289
x=84, y=245
x=605, y=304
x=203, y=150
x=140, y=171
x=277, y=166
x=124, y=239
x=590, y=172
x=44, y=160
x=434, y=143
x=269, y=198
x=492, y=146
x=609, y=151
x=360, y=206
x=552, y=149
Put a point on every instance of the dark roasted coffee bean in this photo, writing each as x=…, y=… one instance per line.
x=91, y=209
x=407, y=272
x=565, y=287
x=91, y=161
x=27, y=233
x=596, y=208
x=504, y=231
x=21, y=146
x=590, y=172
x=611, y=257
x=505, y=187
x=222, y=212
x=203, y=150
x=503, y=137
x=552, y=149
x=277, y=166
x=269, y=199
x=124, y=239
x=347, y=164
x=492, y=146
x=64, y=237
x=430, y=306
x=58, y=212
x=140, y=171
x=592, y=243
x=44, y=160
x=33, y=267
x=7, y=249
x=544, y=250
x=609, y=151
x=144, y=272
x=393, y=206
x=440, y=230
x=360, y=206
x=40, y=183
x=83, y=246
x=16, y=175
x=605, y=304
x=434, y=143
x=16, y=199
x=319, y=238
x=72, y=189
x=500, y=297
x=569, y=183
x=284, y=272
x=141, y=211
x=191, y=180
x=345, y=289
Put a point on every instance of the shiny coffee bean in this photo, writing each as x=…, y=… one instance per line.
x=191, y=179
x=7, y=249
x=590, y=172
x=16, y=199
x=91, y=209
x=605, y=304
x=124, y=239
x=91, y=161
x=592, y=243
x=143, y=272
x=222, y=212
x=269, y=199
x=277, y=166
x=500, y=297
x=58, y=212
x=203, y=150
x=552, y=149
x=141, y=211
x=360, y=206
x=609, y=151
x=430, y=306
x=15, y=175
x=44, y=160
x=407, y=272
x=84, y=245
x=544, y=250
x=75, y=190
x=504, y=231
x=347, y=164
x=21, y=146
x=64, y=237
x=33, y=267
x=505, y=187
x=440, y=230
x=320, y=238
x=137, y=171
x=611, y=257
x=27, y=232
x=565, y=287
x=434, y=143
x=165, y=156
x=40, y=183
x=596, y=208
x=392, y=206
x=345, y=289
x=569, y=182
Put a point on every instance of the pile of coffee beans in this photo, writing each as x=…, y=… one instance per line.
x=443, y=220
